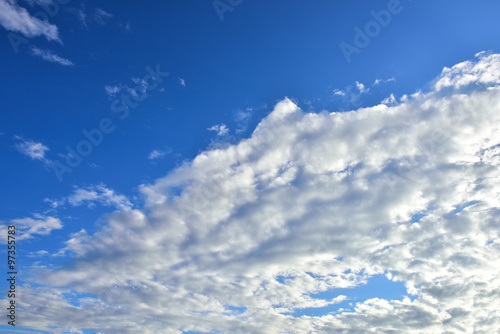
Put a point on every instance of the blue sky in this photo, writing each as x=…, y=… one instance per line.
x=225, y=135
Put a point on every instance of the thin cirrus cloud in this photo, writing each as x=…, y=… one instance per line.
x=50, y=56
x=323, y=200
x=159, y=154
x=18, y=19
x=101, y=16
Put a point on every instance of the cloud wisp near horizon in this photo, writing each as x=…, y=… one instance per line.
x=243, y=236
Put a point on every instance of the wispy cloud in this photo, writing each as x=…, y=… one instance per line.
x=182, y=82
x=381, y=81
x=351, y=94
x=50, y=56
x=28, y=228
x=17, y=19
x=92, y=195
x=338, y=92
x=101, y=16
x=159, y=154
x=32, y=149
x=362, y=89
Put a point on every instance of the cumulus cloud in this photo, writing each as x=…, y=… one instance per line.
x=18, y=19
x=50, y=56
x=323, y=200
x=470, y=72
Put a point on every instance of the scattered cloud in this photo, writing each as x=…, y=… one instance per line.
x=139, y=90
x=27, y=228
x=101, y=16
x=338, y=92
x=182, y=82
x=86, y=17
x=126, y=27
x=351, y=95
x=91, y=195
x=50, y=56
x=221, y=129
x=381, y=81
x=390, y=100
x=362, y=89
x=242, y=118
x=242, y=237
x=112, y=90
x=39, y=253
x=17, y=19
x=32, y=149
x=159, y=154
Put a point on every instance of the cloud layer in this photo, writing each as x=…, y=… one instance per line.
x=323, y=200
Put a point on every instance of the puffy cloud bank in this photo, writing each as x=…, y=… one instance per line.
x=240, y=238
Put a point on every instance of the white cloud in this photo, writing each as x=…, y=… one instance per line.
x=221, y=129
x=50, y=56
x=182, y=82
x=139, y=89
x=326, y=200
x=390, y=100
x=471, y=72
x=338, y=92
x=350, y=94
x=17, y=19
x=100, y=194
x=27, y=228
x=32, y=149
x=39, y=253
x=380, y=81
x=362, y=89
x=159, y=154
x=91, y=195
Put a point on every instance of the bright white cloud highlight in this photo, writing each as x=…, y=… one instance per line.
x=326, y=200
